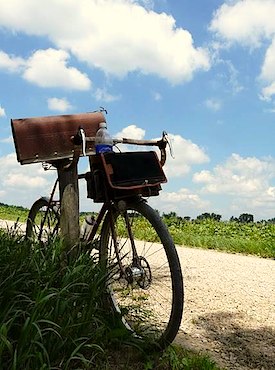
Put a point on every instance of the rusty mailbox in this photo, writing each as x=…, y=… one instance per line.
x=42, y=139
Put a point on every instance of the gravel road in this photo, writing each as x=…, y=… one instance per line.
x=229, y=307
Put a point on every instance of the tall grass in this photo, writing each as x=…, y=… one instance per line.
x=50, y=318
x=57, y=318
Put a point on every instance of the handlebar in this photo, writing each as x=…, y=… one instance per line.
x=80, y=141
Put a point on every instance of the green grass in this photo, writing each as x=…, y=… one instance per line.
x=50, y=317
x=247, y=238
x=57, y=318
x=13, y=213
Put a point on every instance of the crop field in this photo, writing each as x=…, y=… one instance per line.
x=231, y=236
x=256, y=238
x=13, y=213
x=248, y=238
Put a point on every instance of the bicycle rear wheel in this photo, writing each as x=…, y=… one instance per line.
x=145, y=288
x=43, y=221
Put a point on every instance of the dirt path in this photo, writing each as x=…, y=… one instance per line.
x=229, y=308
x=10, y=225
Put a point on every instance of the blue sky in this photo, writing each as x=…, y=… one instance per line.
x=201, y=70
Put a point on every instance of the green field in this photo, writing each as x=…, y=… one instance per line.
x=257, y=238
x=248, y=238
x=13, y=213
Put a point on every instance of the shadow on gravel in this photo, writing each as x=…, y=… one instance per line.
x=241, y=347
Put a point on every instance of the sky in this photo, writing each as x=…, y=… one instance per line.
x=201, y=70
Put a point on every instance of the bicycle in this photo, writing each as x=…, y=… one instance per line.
x=145, y=284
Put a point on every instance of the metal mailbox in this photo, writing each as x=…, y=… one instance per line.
x=42, y=139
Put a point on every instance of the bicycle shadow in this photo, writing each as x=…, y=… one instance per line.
x=233, y=345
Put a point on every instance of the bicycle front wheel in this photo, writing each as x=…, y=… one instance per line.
x=43, y=221
x=144, y=274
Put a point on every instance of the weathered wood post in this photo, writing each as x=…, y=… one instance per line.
x=69, y=200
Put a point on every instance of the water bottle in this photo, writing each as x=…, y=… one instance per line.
x=103, y=141
x=86, y=227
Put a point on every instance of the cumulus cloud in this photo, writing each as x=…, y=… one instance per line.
x=249, y=180
x=21, y=185
x=132, y=132
x=108, y=35
x=183, y=201
x=238, y=175
x=251, y=24
x=48, y=68
x=268, y=73
x=11, y=63
x=59, y=104
x=248, y=22
x=186, y=154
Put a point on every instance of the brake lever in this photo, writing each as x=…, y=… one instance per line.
x=166, y=139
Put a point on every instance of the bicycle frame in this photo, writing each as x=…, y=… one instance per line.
x=107, y=206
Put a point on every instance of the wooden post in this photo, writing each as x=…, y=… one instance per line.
x=69, y=197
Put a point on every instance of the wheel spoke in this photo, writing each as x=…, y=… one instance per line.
x=142, y=290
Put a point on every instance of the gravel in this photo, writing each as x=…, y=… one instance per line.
x=229, y=308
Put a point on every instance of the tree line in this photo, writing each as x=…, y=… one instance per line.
x=243, y=218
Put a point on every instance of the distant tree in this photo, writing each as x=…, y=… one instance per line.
x=172, y=218
x=234, y=219
x=170, y=215
x=187, y=218
x=212, y=216
x=246, y=217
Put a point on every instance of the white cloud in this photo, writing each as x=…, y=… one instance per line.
x=11, y=63
x=184, y=202
x=213, y=104
x=116, y=36
x=60, y=105
x=248, y=180
x=248, y=22
x=2, y=112
x=268, y=73
x=186, y=154
x=14, y=179
x=22, y=185
x=131, y=132
x=103, y=96
x=251, y=24
x=48, y=68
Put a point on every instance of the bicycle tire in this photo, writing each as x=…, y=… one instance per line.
x=50, y=228
x=152, y=307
